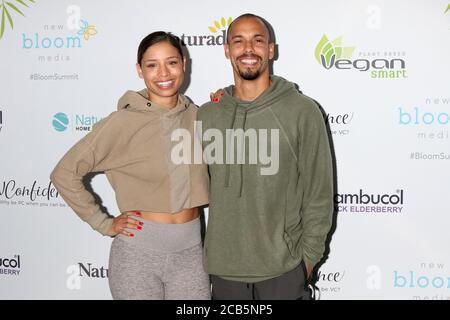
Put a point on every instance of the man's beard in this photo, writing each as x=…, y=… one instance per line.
x=249, y=75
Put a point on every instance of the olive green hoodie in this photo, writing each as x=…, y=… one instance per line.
x=262, y=225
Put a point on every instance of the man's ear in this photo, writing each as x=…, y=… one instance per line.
x=226, y=48
x=139, y=70
x=271, y=50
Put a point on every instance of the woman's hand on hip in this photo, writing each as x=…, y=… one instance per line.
x=125, y=221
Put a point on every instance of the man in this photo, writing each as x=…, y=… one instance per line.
x=271, y=199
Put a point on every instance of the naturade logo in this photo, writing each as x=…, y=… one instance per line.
x=332, y=54
x=217, y=38
x=61, y=122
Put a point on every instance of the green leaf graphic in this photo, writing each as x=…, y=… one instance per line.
x=6, y=13
x=448, y=8
x=15, y=8
x=323, y=41
x=9, y=18
x=329, y=51
x=2, y=28
x=347, y=52
x=23, y=3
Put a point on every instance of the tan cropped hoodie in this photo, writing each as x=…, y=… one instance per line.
x=133, y=147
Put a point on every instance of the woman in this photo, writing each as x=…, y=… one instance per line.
x=157, y=251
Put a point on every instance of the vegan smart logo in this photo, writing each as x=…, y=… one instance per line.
x=217, y=37
x=327, y=52
x=332, y=54
x=78, y=122
x=8, y=9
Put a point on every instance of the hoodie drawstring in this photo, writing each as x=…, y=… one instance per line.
x=227, y=167
x=241, y=168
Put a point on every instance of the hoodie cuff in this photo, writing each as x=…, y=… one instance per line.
x=100, y=222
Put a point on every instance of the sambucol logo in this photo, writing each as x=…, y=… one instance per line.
x=218, y=38
x=7, y=7
x=332, y=54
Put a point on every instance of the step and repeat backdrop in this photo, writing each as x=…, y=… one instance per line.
x=380, y=70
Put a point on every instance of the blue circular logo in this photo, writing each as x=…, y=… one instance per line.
x=60, y=121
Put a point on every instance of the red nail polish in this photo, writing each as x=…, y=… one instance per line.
x=139, y=227
x=221, y=93
x=138, y=213
x=141, y=223
x=131, y=234
x=215, y=100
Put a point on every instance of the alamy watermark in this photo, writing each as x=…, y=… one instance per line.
x=252, y=146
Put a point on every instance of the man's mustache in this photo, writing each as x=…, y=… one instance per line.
x=250, y=56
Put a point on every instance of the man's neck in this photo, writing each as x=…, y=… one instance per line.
x=249, y=90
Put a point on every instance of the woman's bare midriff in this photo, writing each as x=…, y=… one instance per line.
x=183, y=216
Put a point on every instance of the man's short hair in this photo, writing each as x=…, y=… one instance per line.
x=251, y=15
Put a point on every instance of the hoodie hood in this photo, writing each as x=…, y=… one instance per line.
x=278, y=89
x=138, y=101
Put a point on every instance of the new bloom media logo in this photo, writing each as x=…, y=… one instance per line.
x=332, y=54
x=56, y=42
x=78, y=122
x=428, y=121
x=1, y=120
x=429, y=281
x=217, y=37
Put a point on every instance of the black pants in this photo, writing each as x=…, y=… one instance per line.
x=291, y=285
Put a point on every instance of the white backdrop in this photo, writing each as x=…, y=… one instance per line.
x=390, y=125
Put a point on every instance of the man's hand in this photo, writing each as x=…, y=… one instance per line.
x=309, y=271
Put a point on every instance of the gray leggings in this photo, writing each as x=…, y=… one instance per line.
x=162, y=261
